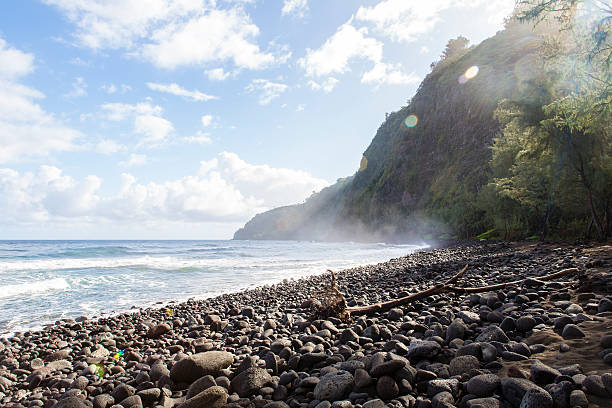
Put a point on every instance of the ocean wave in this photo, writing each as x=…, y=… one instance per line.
x=28, y=288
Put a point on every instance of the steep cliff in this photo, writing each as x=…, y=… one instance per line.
x=422, y=179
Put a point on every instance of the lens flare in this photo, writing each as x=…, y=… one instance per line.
x=470, y=73
x=99, y=370
x=411, y=121
x=119, y=354
x=169, y=312
x=364, y=163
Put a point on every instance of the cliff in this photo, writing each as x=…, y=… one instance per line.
x=420, y=180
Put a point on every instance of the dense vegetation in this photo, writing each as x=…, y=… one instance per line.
x=522, y=149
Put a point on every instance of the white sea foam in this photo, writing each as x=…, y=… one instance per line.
x=27, y=288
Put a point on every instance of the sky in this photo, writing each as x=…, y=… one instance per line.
x=161, y=119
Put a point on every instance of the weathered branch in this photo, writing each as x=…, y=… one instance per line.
x=446, y=287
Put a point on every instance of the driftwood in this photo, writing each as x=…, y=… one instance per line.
x=340, y=309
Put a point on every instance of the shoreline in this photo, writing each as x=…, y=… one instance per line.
x=266, y=333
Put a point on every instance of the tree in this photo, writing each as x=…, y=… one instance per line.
x=455, y=47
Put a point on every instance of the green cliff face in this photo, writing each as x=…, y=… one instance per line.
x=419, y=180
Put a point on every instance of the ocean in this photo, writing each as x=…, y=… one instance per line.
x=44, y=281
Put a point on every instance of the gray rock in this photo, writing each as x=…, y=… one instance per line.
x=200, y=385
x=492, y=333
x=387, y=368
x=578, y=399
x=71, y=402
x=606, y=341
x=455, y=330
x=514, y=389
x=423, y=349
x=593, y=384
x=375, y=403
x=122, y=391
x=543, y=374
x=606, y=379
x=198, y=365
x=525, y=323
x=604, y=305
x=159, y=330
x=440, y=385
x=536, y=398
x=469, y=317
x=483, y=403
x=463, y=364
x=133, y=401
x=571, y=331
x=334, y=386
x=483, y=385
x=213, y=397
x=443, y=399
x=103, y=401
x=362, y=378
x=387, y=388
x=250, y=381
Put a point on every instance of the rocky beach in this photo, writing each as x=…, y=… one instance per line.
x=529, y=344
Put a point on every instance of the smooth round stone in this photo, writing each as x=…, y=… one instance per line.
x=574, y=309
x=483, y=385
x=525, y=323
x=578, y=399
x=571, y=331
x=606, y=341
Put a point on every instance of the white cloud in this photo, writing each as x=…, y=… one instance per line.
x=406, y=21
x=219, y=35
x=389, y=74
x=334, y=55
x=109, y=89
x=217, y=74
x=118, y=24
x=300, y=107
x=199, y=138
x=267, y=90
x=169, y=33
x=147, y=119
x=226, y=189
x=177, y=90
x=155, y=129
x=135, y=160
x=120, y=111
x=327, y=85
x=14, y=63
x=26, y=129
x=78, y=88
x=206, y=120
x=298, y=8
x=108, y=146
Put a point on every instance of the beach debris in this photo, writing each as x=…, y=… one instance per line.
x=332, y=303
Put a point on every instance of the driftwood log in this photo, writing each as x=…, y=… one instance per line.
x=445, y=287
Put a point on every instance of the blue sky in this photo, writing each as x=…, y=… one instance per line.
x=129, y=119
